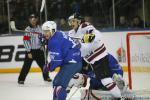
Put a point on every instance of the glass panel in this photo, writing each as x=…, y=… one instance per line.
x=98, y=12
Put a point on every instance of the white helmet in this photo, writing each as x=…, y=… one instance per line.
x=49, y=25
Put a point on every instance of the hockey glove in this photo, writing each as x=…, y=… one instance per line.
x=87, y=38
x=78, y=80
x=49, y=67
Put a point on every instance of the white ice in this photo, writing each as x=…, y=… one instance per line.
x=36, y=89
x=33, y=89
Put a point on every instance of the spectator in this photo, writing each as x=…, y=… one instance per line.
x=122, y=23
x=137, y=22
x=63, y=25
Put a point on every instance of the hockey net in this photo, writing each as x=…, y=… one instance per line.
x=138, y=62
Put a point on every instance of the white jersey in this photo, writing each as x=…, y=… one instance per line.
x=93, y=51
x=74, y=36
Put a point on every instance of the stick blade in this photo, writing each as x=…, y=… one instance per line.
x=12, y=25
x=42, y=5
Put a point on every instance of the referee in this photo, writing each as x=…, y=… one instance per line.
x=33, y=47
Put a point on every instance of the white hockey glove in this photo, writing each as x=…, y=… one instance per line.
x=119, y=81
x=78, y=80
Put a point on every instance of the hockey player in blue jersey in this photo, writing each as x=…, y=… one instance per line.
x=64, y=53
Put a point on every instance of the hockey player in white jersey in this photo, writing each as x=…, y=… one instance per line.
x=93, y=51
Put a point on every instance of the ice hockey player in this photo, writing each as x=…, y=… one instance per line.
x=94, y=52
x=64, y=53
x=95, y=84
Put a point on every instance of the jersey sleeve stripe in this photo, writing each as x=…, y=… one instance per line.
x=95, y=54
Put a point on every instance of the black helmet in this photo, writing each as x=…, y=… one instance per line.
x=77, y=16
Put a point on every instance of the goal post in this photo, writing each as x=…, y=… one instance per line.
x=138, y=53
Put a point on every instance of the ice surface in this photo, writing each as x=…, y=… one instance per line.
x=33, y=89
x=36, y=89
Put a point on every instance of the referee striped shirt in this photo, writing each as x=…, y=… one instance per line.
x=31, y=40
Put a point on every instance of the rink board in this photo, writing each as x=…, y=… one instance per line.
x=12, y=52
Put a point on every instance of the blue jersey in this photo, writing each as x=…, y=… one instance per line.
x=62, y=50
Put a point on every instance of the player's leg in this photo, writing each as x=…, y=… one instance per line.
x=39, y=58
x=102, y=71
x=85, y=67
x=25, y=69
x=62, y=79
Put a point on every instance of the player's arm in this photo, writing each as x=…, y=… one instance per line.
x=27, y=42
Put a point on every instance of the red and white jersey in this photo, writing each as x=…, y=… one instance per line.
x=93, y=51
x=83, y=29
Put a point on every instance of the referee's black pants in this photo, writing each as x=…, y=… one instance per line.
x=38, y=56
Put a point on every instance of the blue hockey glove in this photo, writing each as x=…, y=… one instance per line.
x=47, y=67
x=52, y=66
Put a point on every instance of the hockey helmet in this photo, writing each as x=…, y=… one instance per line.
x=49, y=26
x=74, y=16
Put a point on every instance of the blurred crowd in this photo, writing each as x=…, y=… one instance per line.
x=98, y=12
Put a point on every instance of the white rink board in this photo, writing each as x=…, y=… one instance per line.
x=9, y=47
x=112, y=40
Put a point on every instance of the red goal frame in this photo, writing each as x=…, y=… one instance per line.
x=129, y=54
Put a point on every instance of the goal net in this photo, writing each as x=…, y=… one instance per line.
x=138, y=61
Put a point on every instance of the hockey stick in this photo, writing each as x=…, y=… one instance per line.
x=41, y=10
x=78, y=88
x=70, y=95
x=75, y=37
x=44, y=45
x=13, y=27
x=42, y=6
x=12, y=23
